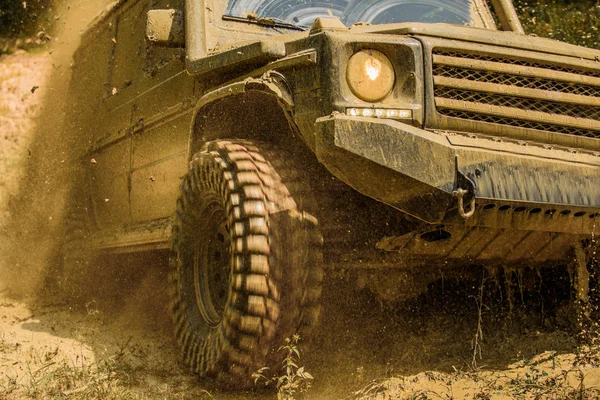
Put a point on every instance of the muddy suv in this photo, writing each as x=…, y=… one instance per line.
x=265, y=142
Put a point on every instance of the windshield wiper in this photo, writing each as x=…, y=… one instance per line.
x=273, y=21
x=266, y=21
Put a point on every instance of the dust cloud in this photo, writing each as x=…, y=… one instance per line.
x=33, y=230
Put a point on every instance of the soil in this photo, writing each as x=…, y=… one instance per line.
x=450, y=343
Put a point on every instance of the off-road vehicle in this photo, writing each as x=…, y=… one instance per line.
x=263, y=142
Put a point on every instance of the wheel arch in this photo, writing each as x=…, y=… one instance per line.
x=255, y=108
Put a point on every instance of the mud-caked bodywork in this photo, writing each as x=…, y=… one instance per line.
x=504, y=130
x=257, y=139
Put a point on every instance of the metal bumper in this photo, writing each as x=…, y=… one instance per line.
x=515, y=185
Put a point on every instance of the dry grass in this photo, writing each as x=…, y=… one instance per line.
x=53, y=373
x=38, y=369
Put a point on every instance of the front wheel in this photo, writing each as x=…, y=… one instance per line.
x=247, y=265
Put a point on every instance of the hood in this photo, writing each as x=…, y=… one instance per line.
x=485, y=36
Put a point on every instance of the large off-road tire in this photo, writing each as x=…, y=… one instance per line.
x=247, y=259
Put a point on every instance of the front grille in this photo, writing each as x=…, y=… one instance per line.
x=518, y=81
x=522, y=103
x=521, y=123
x=518, y=61
x=507, y=91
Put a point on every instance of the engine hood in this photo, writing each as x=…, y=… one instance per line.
x=485, y=36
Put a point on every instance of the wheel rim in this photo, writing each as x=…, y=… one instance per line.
x=211, y=263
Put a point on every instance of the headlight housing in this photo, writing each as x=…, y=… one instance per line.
x=370, y=75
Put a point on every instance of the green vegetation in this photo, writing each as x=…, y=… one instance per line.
x=293, y=379
x=576, y=22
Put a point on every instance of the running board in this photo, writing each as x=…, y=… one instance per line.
x=152, y=235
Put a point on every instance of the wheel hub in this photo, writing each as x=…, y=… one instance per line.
x=211, y=263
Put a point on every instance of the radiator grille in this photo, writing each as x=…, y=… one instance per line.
x=518, y=81
x=522, y=124
x=521, y=62
x=516, y=92
x=522, y=103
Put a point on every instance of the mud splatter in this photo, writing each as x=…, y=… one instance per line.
x=32, y=224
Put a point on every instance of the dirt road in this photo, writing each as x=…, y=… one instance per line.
x=446, y=344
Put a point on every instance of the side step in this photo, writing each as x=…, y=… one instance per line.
x=152, y=235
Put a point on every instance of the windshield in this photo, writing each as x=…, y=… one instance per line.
x=304, y=12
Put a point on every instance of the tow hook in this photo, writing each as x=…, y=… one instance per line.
x=463, y=181
x=460, y=194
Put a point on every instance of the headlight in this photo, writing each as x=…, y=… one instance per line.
x=370, y=75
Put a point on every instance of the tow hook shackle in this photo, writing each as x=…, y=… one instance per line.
x=460, y=194
x=463, y=181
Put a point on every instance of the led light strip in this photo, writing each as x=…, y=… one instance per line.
x=390, y=113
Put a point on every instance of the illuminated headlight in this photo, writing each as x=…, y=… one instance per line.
x=390, y=113
x=370, y=75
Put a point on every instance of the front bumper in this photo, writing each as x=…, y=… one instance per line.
x=517, y=185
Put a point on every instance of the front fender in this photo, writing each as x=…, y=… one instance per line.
x=251, y=108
